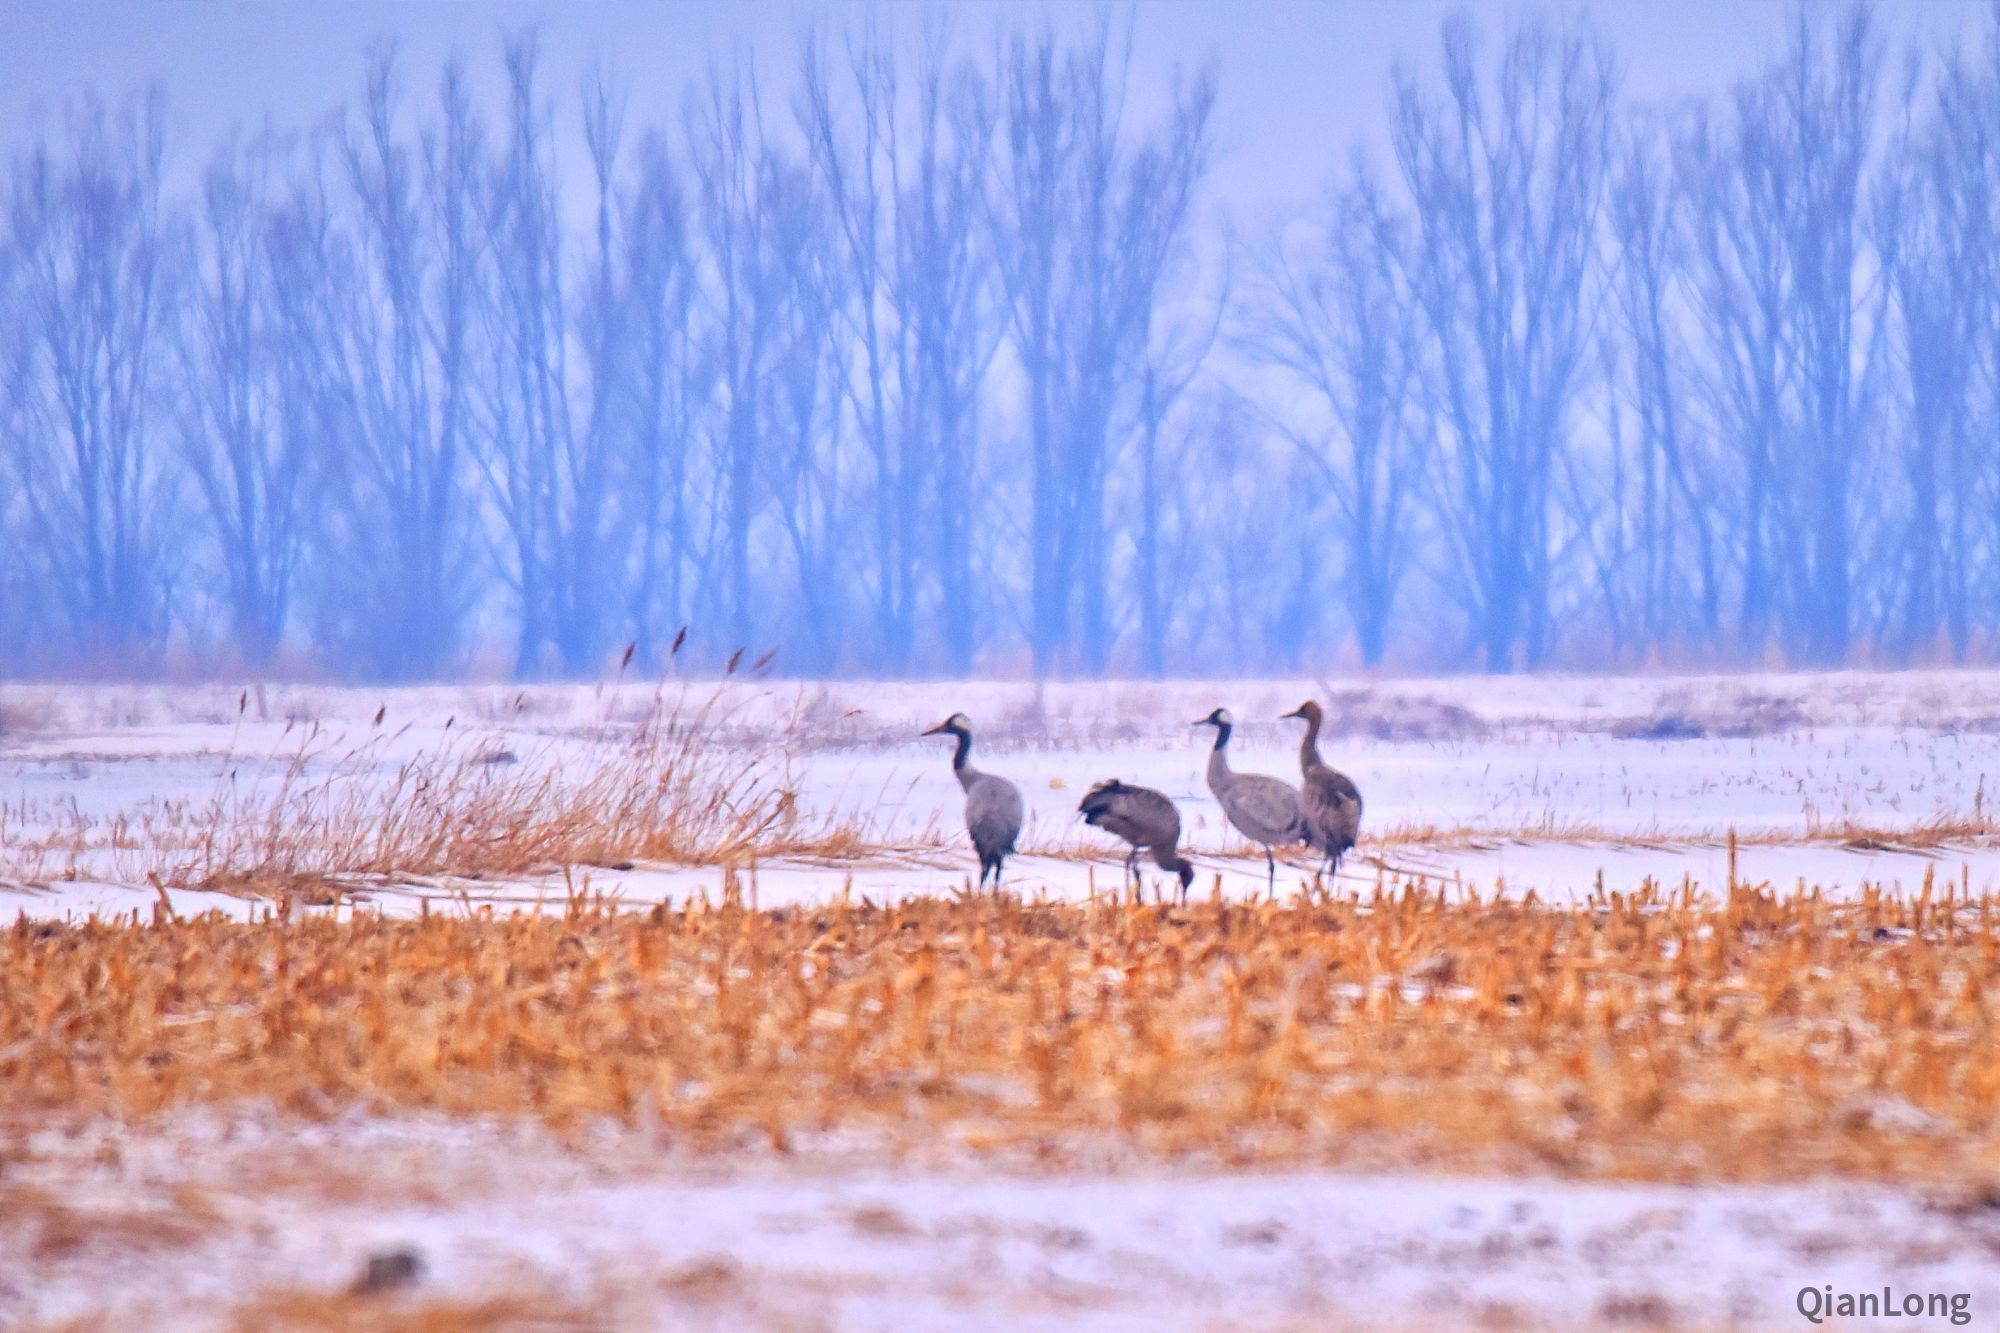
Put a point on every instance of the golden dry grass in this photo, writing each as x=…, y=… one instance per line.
x=1676, y=1039
x=319, y=1312
x=656, y=783
x=58, y=1227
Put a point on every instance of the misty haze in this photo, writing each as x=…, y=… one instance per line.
x=1305, y=664
x=927, y=341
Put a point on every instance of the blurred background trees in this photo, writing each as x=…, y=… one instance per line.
x=919, y=356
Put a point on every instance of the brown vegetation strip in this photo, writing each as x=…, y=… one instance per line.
x=1758, y=1038
x=652, y=785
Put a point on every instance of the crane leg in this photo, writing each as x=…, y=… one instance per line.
x=1271, y=873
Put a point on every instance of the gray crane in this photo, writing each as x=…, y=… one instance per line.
x=1143, y=817
x=1328, y=798
x=992, y=804
x=1263, y=809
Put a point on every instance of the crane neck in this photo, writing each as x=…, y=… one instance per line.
x=1222, y=730
x=1309, y=746
x=1218, y=764
x=962, y=753
x=1170, y=860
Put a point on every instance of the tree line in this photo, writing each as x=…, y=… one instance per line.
x=928, y=356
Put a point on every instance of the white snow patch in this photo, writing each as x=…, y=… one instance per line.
x=847, y=1244
x=1542, y=783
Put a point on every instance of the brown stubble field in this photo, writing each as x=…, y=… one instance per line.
x=1663, y=1038
x=191, y=1099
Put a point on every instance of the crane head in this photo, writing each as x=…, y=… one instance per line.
x=958, y=724
x=1309, y=710
x=1219, y=718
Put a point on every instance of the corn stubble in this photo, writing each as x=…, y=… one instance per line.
x=1661, y=1036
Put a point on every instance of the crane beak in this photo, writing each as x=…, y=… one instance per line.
x=1202, y=722
x=1294, y=713
x=938, y=730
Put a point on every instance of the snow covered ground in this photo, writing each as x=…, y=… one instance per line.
x=1555, y=785
x=1548, y=783
x=620, y=1233
x=1554, y=870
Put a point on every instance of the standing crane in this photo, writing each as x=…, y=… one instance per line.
x=992, y=804
x=1328, y=798
x=1143, y=817
x=1263, y=809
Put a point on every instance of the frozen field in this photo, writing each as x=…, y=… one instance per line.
x=118, y=800
x=517, y=1230
x=1546, y=784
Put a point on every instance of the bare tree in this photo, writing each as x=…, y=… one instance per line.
x=1506, y=184
x=735, y=168
x=1934, y=227
x=550, y=443
x=1676, y=549
x=1335, y=314
x=1176, y=350
x=903, y=171
x=669, y=385
x=247, y=452
x=395, y=327
x=1827, y=107
x=1791, y=345
x=1087, y=220
x=809, y=415
x=23, y=624
x=945, y=291
x=858, y=170
x=917, y=377
x=90, y=238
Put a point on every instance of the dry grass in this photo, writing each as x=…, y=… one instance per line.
x=1653, y=1037
x=657, y=784
x=473, y=807
x=1941, y=830
x=58, y=1227
x=319, y=1312
x=1380, y=845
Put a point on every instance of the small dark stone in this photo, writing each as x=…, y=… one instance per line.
x=389, y=1270
x=1636, y=1308
x=1254, y=1233
x=1664, y=727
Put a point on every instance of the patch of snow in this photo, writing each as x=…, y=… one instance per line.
x=852, y=1245
x=1542, y=783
